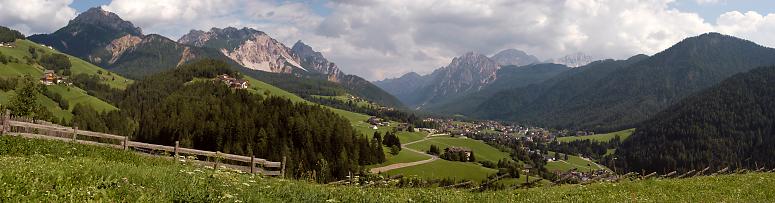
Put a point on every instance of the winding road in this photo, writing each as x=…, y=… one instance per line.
x=408, y=164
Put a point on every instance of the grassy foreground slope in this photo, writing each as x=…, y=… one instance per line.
x=54, y=171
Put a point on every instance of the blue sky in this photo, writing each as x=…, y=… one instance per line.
x=711, y=11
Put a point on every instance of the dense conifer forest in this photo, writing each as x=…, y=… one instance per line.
x=728, y=125
x=208, y=115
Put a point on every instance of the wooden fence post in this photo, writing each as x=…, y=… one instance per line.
x=126, y=140
x=75, y=133
x=6, y=118
x=177, y=144
x=282, y=169
x=252, y=164
x=215, y=166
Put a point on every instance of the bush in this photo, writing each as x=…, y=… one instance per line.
x=394, y=150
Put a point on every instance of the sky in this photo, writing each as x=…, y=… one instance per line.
x=379, y=39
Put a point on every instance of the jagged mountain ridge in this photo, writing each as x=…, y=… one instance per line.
x=248, y=47
x=314, y=61
x=256, y=50
x=464, y=74
x=104, y=39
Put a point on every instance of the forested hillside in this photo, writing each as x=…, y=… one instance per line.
x=633, y=92
x=211, y=116
x=731, y=124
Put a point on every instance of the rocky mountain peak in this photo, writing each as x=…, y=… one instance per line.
x=514, y=57
x=314, y=61
x=248, y=47
x=98, y=17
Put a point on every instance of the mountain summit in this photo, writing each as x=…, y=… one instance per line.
x=314, y=61
x=514, y=57
x=88, y=33
x=107, y=20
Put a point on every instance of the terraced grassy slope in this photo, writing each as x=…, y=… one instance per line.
x=53, y=171
x=623, y=135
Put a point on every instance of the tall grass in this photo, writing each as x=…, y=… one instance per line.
x=55, y=171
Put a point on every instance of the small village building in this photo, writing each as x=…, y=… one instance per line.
x=51, y=78
x=462, y=150
x=233, y=82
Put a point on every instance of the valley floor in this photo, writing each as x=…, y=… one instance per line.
x=55, y=171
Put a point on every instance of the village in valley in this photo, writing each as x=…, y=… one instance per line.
x=447, y=141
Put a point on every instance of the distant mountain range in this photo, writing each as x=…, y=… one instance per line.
x=573, y=60
x=465, y=75
x=103, y=38
x=610, y=95
x=603, y=95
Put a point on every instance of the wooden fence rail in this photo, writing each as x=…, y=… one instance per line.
x=29, y=128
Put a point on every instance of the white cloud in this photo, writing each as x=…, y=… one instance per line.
x=35, y=16
x=386, y=38
x=174, y=18
x=396, y=31
x=750, y=25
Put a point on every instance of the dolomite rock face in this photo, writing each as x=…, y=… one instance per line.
x=248, y=47
x=314, y=61
x=118, y=46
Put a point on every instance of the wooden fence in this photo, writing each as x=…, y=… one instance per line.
x=25, y=127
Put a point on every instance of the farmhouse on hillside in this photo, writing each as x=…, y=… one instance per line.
x=233, y=82
x=50, y=78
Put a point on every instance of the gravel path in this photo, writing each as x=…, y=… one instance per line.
x=403, y=165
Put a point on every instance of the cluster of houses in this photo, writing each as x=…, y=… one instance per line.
x=377, y=122
x=51, y=78
x=232, y=82
x=7, y=44
x=462, y=150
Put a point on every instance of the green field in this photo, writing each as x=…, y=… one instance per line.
x=78, y=66
x=623, y=135
x=573, y=162
x=75, y=95
x=482, y=151
x=53, y=171
x=406, y=137
x=404, y=156
x=347, y=98
x=446, y=169
x=51, y=105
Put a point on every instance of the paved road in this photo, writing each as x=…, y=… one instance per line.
x=403, y=165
